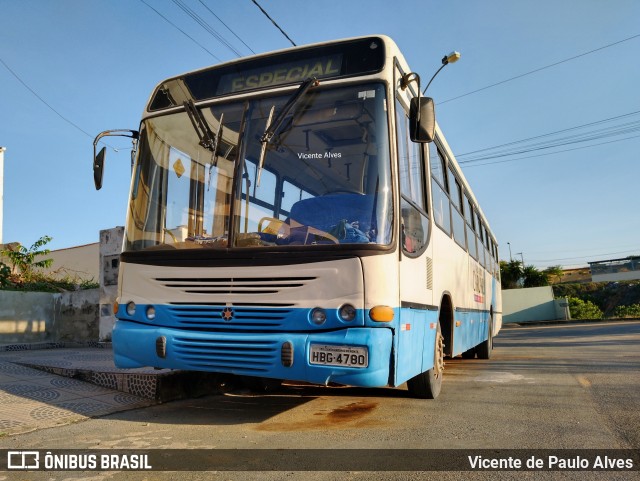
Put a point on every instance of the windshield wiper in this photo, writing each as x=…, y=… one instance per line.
x=273, y=125
x=272, y=128
x=208, y=139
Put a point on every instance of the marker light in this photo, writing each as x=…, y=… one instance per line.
x=381, y=314
x=318, y=316
x=116, y=306
x=151, y=313
x=347, y=313
x=131, y=308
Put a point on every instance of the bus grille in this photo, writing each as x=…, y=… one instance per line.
x=237, y=286
x=233, y=356
x=232, y=317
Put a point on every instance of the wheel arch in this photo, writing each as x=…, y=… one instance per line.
x=445, y=317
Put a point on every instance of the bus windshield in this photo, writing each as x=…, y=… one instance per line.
x=324, y=178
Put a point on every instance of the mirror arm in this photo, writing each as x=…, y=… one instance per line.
x=98, y=159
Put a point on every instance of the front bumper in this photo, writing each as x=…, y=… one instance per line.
x=252, y=354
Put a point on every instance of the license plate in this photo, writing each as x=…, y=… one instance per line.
x=346, y=356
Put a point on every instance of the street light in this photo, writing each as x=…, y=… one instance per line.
x=510, y=256
x=522, y=257
x=453, y=57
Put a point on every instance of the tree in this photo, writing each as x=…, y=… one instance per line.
x=510, y=273
x=534, y=278
x=24, y=259
x=554, y=272
x=514, y=276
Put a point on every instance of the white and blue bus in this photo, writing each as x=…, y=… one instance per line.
x=298, y=215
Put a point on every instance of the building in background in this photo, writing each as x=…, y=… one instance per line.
x=627, y=269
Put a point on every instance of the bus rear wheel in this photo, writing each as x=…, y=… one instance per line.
x=427, y=385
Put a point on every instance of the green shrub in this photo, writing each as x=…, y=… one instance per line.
x=584, y=309
x=25, y=260
x=26, y=274
x=627, y=311
x=5, y=276
x=46, y=283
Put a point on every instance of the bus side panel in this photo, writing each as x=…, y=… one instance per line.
x=497, y=306
x=416, y=343
x=381, y=283
x=471, y=328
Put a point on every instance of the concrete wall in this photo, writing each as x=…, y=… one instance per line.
x=25, y=316
x=111, y=241
x=531, y=304
x=76, y=316
x=50, y=317
x=82, y=262
x=32, y=318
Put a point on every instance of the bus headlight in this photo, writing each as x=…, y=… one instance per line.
x=347, y=313
x=151, y=313
x=131, y=308
x=318, y=316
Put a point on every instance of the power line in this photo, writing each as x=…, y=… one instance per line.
x=548, y=153
x=44, y=101
x=228, y=28
x=73, y=124
x=598, y=131
x=538, y=69
x=580, y=138
x=274, y=22
x=204, y=24
x=548, y=134
x=583, y=257
x=185, y=33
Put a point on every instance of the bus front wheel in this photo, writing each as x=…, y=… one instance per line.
x=427, y=385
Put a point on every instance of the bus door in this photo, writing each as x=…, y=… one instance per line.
x=416, y=332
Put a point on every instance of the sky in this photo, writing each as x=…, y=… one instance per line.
x=562, y=73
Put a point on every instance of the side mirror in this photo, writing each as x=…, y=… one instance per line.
x=422, y=120
x=98, y=160
x=98, y=167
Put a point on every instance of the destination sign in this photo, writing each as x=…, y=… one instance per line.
x=333, y=60
x=280, y=74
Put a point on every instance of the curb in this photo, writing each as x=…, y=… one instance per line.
x=161, y=387
x=36, y=346
x=516, y=325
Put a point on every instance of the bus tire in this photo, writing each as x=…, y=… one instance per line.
x=470, y=354
x=427, y=385
x=484, y=349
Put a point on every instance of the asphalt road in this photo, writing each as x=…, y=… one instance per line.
x=547, y=387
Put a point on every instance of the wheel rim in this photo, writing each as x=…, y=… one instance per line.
x=439, y=361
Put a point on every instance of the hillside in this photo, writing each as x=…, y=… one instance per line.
x=606, y=295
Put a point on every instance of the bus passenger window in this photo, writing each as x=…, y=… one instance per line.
x=437, y=165
x=457, y=220
x=471, y=227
